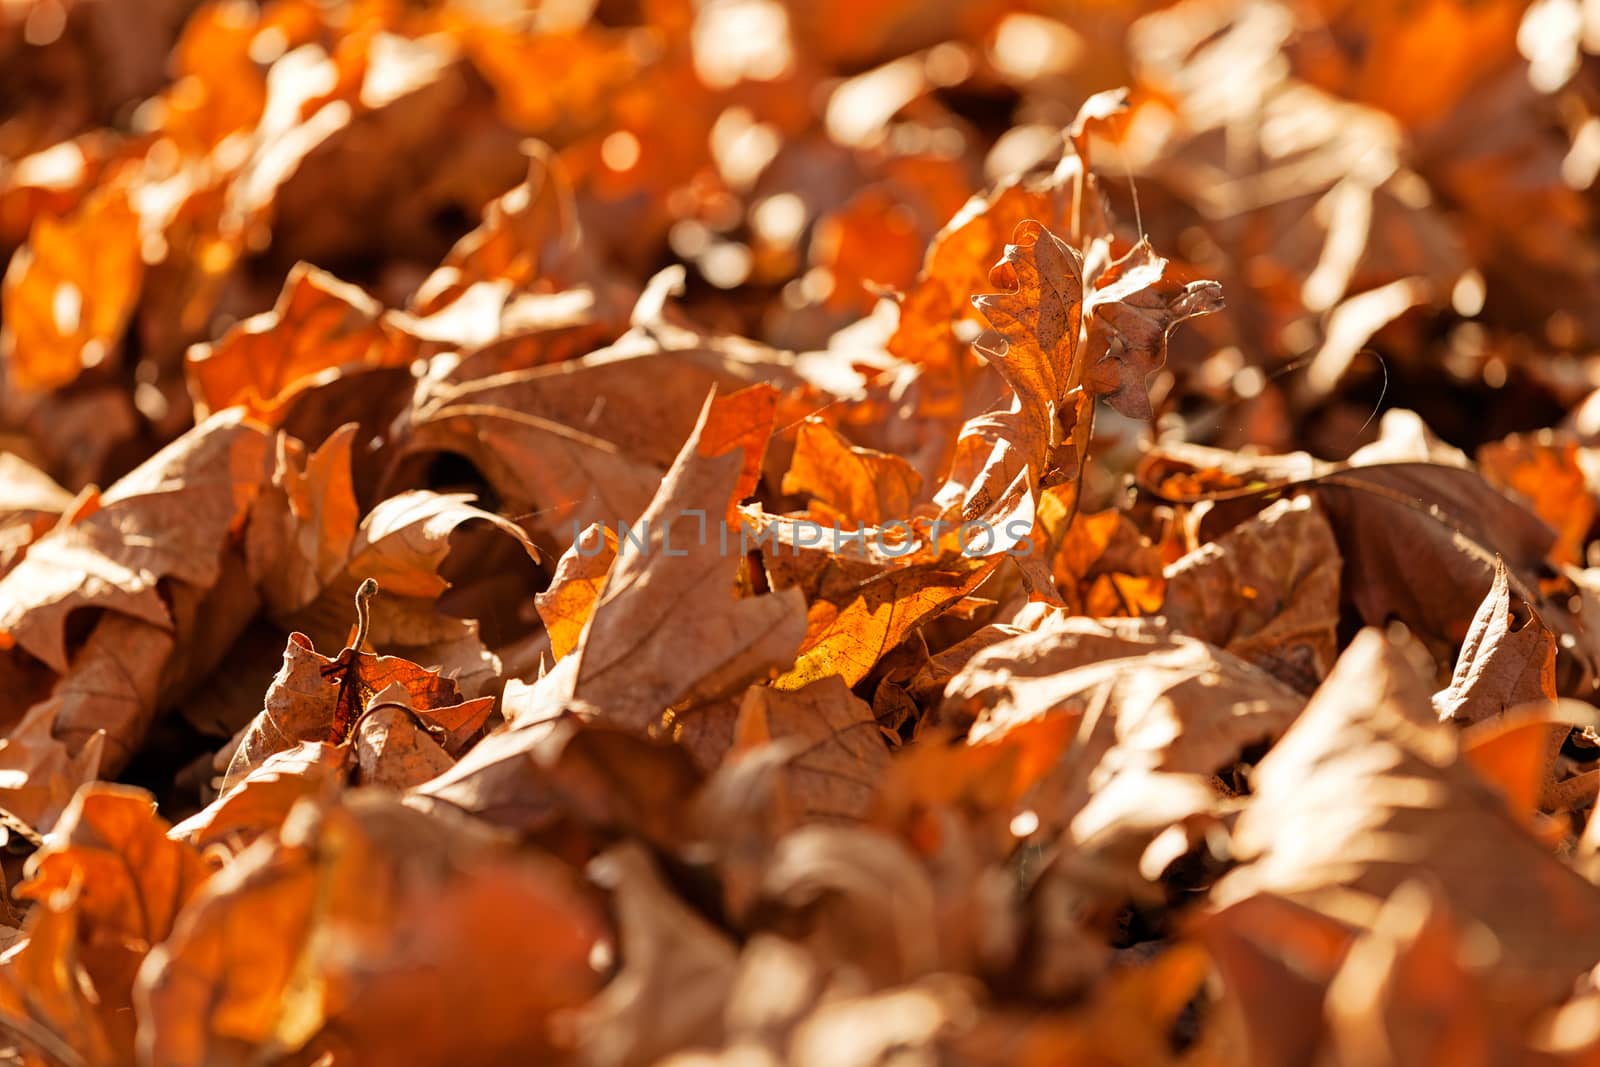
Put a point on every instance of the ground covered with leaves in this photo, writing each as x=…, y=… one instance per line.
x=609, y=533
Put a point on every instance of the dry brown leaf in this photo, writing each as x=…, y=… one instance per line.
x=1267, y=591
x=112, y=690
x=43, y=773
x=859, y=611
x=834, y=750
x=576, y=586
x=569, y=778
x=1506, y=662
x=1103, y=566
x=168, y=519
x=259, y=803
x=675, y=974
x=392, y=750
x=669, y=632
x=860, y=486
x=1132, y=307
x=320, y=326
x=1366, y=792
x=315, y=698
x=1275, y=958
x=1138, y=696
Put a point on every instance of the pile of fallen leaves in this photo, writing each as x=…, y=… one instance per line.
x=614, y=532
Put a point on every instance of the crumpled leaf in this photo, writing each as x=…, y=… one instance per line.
x=1186, y=706
x=134, y=878
x=655, y=642
x=317, y=698
x=1132, y=308
x=259, y=802
x=858, y=485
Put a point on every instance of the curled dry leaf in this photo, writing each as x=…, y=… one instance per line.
x=1132, y=308
x=260, y=802
x=315, y=698
x=1506, y=662
x=576, y=587
x=859, y=486
x=320, y=326
x=392, y=748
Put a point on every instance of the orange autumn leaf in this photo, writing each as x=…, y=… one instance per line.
x=715, y=533
x=319, y=326
x=68, y=296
